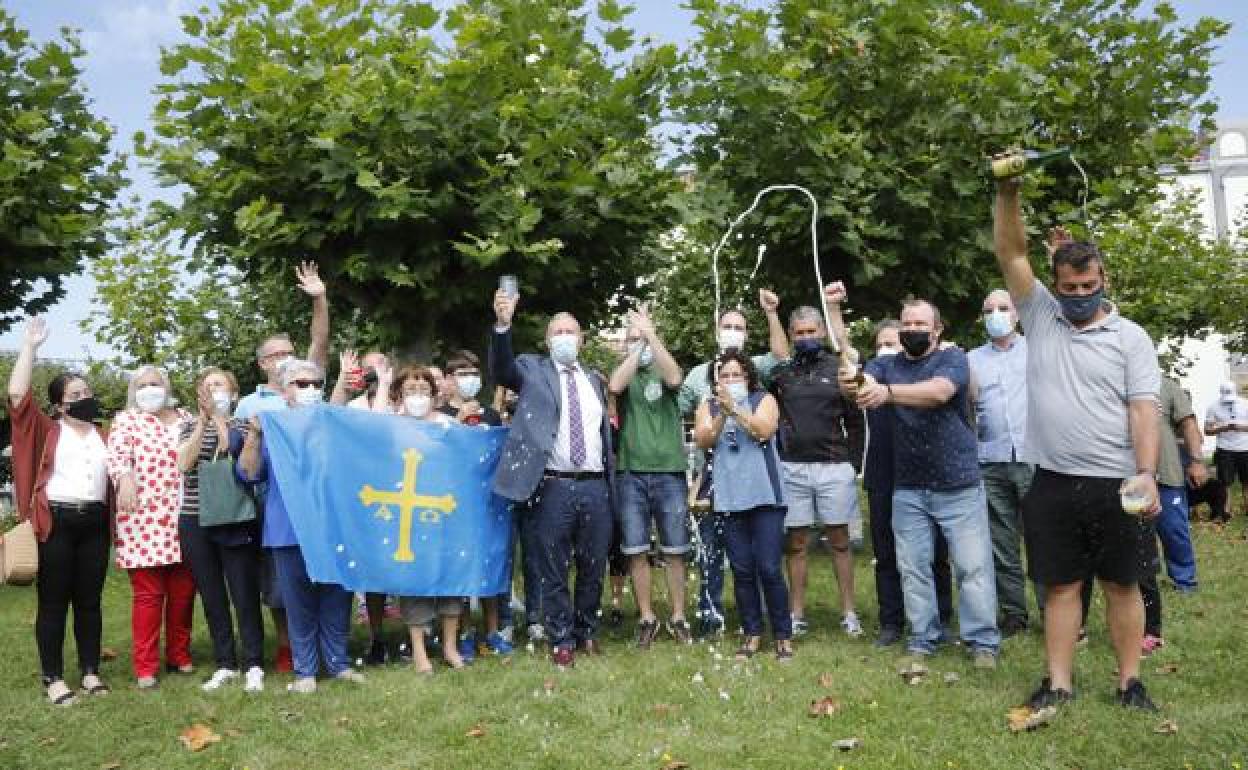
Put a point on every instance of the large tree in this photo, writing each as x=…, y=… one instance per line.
x=416, y=166
x=887, y=110
x=57, y=177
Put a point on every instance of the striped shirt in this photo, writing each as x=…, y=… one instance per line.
x=207, y=448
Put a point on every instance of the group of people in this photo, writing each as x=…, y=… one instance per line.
x=1067, y=440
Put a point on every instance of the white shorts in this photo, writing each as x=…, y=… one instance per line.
x=820, y=494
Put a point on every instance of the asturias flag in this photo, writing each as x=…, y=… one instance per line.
x=391, y=504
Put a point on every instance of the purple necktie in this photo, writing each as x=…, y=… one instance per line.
x=576, y=432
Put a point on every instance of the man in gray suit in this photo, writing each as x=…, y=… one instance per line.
x=557, y=467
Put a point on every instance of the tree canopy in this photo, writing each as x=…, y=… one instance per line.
x=886, y=111
x=57, y=177
x=417, y=155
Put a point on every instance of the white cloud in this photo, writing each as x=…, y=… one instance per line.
x=130, y=31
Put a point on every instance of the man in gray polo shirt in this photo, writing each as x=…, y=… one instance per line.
x=1092, y=428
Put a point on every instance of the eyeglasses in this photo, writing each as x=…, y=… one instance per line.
x=309, y=384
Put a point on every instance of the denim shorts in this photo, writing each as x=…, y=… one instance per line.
x=820, y=494
x=657, y=496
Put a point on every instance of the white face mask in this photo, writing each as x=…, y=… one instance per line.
x=731, y=339
x=222, y=401
x=308, y=396
x=417, y=405
x=885, y=350
x=564, y=347
x=999, y=324
x=469, y=385
x=279, y=363
x=150, y=398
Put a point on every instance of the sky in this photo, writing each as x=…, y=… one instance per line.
x=123, y=39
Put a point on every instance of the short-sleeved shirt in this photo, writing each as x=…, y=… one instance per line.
x=932, y=448
x=651, y=436
x=207, y=452
x=1222, y=413
x=1001, y=401
x=1080, y=384
x=818, y=424
x=264, y=399
x=1175, y=408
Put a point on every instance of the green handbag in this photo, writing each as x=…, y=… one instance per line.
x=222, y=498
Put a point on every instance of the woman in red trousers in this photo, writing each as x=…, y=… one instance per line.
x=143, y=463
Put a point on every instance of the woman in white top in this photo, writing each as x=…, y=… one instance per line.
x=60, y=477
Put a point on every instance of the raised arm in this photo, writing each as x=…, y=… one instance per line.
x=501, y=358
x=1009, y=240
x=192, y=442
x=20, y=377
x=347, y=361
x=777, y=339
x=834, y=296
x=311, y=284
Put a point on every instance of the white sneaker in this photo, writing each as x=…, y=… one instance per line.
x=254, y=680
x=219, y=678
x=350, y=675
x=851, y=624
x=536, y=632
x=304, y=685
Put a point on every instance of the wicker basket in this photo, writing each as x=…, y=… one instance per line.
x=19, y=556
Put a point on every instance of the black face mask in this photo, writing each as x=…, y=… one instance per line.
x=85, y=409
x=915, y=343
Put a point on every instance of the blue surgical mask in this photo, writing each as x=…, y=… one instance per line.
x=999, y=324
x=738, y=391
x=563, y=348
x=469, y=385
x=1078, y=309
x=807, y=346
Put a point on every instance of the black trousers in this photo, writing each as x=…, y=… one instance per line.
x=888, y=580
x=72, y=566
x=226, y=566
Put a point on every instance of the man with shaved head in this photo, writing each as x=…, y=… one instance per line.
x=999, y=391
x=557, y=466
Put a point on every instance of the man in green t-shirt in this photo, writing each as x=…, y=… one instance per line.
x=650, y=472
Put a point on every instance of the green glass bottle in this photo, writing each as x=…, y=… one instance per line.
x=1020, y=162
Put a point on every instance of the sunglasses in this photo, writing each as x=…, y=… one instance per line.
x=309, y=384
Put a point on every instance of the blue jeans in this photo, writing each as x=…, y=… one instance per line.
x=1176, y=537
x=657, y=496
x=963, y=518
x=710, y=560
x=755, y=540
x=317, y=614
x=571, y=523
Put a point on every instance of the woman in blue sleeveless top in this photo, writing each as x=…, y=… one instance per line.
x=739, y=423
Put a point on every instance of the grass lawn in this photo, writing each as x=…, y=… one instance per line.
x=669, y=706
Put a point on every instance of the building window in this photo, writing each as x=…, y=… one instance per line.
x=1232, y=145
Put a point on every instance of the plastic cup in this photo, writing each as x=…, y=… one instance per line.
x=1134, y=501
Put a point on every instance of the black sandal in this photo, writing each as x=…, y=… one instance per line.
x=64, y=699
x=99, y=688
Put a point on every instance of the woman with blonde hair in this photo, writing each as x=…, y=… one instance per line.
x=224, y=558
x=143, y=463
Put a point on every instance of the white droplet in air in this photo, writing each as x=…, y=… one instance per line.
x=385, y=541
x=696, y=678
x=341, y=548
x=723, y=695
x=351, y=565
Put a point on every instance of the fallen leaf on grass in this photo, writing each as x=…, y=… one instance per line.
x=674, y=764
x=665, y=709
x=1024, y=718
x=824, y=707
x=914, y=672
x=48, y=741
x=288, y=716
x=825, y=681
x=111, y=766
x=1169, y=668
x=549, y=686
x=1168, y=727
x=847, y=744
x=198, y=737
x=108, y=653
x=477, y=731
x=951, y=677
x=343, y=721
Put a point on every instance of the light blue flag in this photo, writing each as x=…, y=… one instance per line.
x=391, y=504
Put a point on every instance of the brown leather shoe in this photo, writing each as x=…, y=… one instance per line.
x=563, y=657
x=590, y=647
